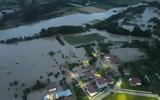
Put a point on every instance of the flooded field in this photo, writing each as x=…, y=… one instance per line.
x=25, y=62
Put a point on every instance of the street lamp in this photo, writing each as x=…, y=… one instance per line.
x=119, y=83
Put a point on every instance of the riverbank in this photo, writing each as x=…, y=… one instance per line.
x=76, y=19
x=17, y=22
x=60, y=13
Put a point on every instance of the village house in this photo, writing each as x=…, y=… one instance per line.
x=134, y=81
x=91, y=90
x=101, y=82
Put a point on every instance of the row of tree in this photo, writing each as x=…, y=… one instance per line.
x=111, y=25
x=48, y=32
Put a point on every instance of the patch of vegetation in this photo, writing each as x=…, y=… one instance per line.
x=85, y=45
x=89, y=50
x=72, y=65
x=104, y=5
x=80, y=95
x=51, y=53
x=74, y=40
x=59, y=40
x=103, y=47
x=37, y=86
x=92, y=61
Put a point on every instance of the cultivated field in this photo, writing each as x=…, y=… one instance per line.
x=83, y=38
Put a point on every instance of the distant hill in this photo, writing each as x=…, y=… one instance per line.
x=16, y=1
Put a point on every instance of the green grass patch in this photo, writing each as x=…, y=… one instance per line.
x=75, y=40
x=122, y=96
x=104, y=5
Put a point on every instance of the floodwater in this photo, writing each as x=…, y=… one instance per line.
x=143, y=19
x=25, y=62
x=75, y=19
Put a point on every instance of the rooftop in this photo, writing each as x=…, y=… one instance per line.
x=100, y=80
x=64, y=93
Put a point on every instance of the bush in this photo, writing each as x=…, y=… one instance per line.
x=92, y=60
x=37, y=86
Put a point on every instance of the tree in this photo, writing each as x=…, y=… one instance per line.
x=15, y=95
x=31, y=12
x=22, y=3
x=15, y=83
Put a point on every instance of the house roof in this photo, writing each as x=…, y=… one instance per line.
x=64, y=93
x=89, y=74
x=69, y=98
x=100, y=80
x=51, y=86
x=90, y=88
x=134, y=80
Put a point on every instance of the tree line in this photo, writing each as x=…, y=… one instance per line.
x=48, y=32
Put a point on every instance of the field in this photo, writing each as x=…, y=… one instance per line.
x=74, y=40
x=90, y=9
x=120, y=96
x=104, y=5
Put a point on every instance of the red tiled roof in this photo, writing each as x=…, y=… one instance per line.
x=134, y=80
x=90, y=88
x=101, y=80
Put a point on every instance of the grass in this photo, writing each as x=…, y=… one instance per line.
x=104, y=5
x=75, y=40
x=122, y=96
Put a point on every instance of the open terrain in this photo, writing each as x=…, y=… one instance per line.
x=121, y=96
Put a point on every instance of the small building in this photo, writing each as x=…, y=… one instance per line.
x=101, y=82
x=51, y=87
x=64, y=93
x=126, y=72
x=91, y=90
x=134, y=81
